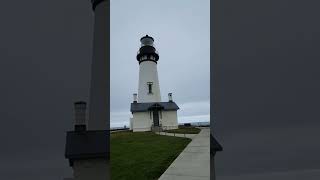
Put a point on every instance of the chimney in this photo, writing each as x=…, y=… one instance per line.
x=170, y=97
x=135, y=98
x=80, y=108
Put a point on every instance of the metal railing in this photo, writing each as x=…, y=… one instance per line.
x=164, y=130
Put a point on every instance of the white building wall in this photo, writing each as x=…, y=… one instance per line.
x=148, y=73
x=169, y=120
x=141, y=121
x=131, y=121
x=97, y=169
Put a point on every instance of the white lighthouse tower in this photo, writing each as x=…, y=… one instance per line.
x=149, y=89
x=148, y=111
x=87, y=146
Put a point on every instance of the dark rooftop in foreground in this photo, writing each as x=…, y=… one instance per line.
x=214, y=145
x=142, y=107
x=87, y=145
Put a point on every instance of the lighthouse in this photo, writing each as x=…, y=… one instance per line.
x=148, y=111
x=149, y=89
x=87, y=145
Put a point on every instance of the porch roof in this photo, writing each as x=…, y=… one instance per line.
x=143, y=107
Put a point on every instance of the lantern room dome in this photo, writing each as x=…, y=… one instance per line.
x=147, y=51
x=146, y=41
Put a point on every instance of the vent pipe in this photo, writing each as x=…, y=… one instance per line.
x=80, y=108
x=135, y=97
x=170, y=97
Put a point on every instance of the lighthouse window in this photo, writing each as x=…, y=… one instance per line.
x=149, y=87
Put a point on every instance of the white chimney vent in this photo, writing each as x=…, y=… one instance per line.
x=170, y=97
x=135, y=97
x=80, y=108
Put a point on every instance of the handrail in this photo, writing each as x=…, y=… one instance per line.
x=166, y=128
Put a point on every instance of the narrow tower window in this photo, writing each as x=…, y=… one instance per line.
x=149, y=87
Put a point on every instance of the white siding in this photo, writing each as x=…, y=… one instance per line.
x=131, y=121
x=169, y=119
x=148, y=73
x=141, y=121
x=97, y=169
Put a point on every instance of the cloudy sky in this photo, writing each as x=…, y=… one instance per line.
x=181, y=30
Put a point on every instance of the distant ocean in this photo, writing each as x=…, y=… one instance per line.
x=205, y=123
x=198, y=123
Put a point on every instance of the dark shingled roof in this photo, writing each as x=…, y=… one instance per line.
x=87, y=145
x=95, y=3
x=214, y=145
x=142, y=107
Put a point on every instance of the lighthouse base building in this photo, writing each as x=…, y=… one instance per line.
x=154, y=116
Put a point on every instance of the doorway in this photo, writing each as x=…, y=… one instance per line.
x=155, y=118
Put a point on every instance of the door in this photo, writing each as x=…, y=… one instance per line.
x=155, y=118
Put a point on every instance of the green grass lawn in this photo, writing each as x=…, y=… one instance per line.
x=143, y=155
x=186, y=130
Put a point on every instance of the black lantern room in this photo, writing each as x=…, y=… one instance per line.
x=147, y=51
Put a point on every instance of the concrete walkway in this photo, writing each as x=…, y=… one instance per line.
x=194, y=161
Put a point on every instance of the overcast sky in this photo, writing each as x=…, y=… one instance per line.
x=181, y=30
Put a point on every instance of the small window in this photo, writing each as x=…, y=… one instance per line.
x=149, y=87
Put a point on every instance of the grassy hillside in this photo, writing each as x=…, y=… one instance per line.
x=143, y=155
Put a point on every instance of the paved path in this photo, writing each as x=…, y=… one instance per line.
x=194, y=161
